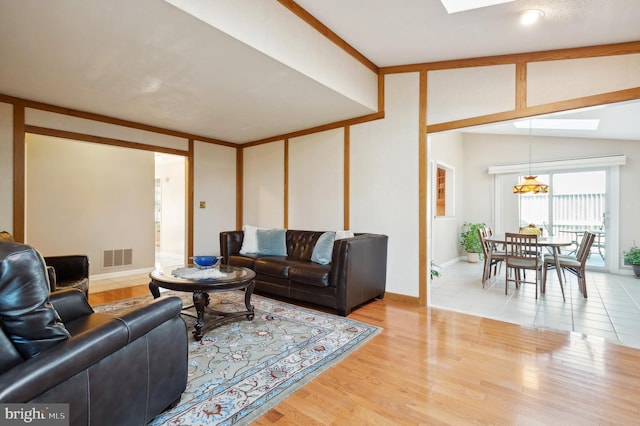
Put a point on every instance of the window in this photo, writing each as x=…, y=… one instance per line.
x=443, y=192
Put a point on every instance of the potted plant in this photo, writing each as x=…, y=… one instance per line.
x=470, y=240
x=632, y=257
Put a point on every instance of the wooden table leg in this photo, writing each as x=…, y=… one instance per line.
x=556, y=250
x=200, y=300
x=247, y=300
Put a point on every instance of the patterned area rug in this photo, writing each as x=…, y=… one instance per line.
x=242, y=369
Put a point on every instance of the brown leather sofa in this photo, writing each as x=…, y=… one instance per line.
x=111, y=370
x=357, y=272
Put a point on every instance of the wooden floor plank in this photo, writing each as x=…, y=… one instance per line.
x=430, y=366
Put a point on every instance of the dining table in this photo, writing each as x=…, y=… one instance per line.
x=552, y=242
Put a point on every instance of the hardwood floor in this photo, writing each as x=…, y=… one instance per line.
x=431, y=366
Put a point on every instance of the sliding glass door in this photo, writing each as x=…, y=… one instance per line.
x=576, y=202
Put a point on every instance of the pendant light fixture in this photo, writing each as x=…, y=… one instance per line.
x=530, y=183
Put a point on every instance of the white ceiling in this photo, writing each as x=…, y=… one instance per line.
x=149, y=62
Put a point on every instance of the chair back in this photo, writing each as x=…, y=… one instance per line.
x=486, y=246
x=585, y=247
x=522, y=248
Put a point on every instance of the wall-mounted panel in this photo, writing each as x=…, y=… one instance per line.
x=263, y=185
x=553, y=81
x=316, y=181
x=6, y=167
x=384, y=184
x=215, y=184
x=52, y=120
x=461, y=93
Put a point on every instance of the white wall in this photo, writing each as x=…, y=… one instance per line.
x=215, y=183
x=551, y=81
x=84, y=198
x=6, y=167
x=447, y=148
x=56, y=121
x=384, y=180
x=263, y=185
x=455, y=94
x=316, y=181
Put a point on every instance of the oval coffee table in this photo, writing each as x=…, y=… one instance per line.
x=235, y=278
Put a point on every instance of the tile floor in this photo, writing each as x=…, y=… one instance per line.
x=612, y=310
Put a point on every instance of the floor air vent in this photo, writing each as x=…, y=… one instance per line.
x=118, y=257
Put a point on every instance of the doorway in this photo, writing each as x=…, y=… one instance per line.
x=169, y=211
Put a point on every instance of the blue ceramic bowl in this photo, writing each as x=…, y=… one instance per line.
x=205, y=261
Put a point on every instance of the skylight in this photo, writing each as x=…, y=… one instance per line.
x=454, y=6
x=559, y=123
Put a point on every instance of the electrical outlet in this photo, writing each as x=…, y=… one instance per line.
x=203, y=204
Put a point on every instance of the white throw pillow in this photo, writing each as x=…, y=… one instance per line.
x=250, y=241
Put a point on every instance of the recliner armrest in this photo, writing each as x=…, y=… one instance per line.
x=70, y=304
x=30, y=378
x=143, y=319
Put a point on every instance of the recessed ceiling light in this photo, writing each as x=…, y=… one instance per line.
x=529, y=17
x=559, y=124
x=454, y=6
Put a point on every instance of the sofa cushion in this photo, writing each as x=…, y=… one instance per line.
x=301, y=244
x=244, y=261
x=276, y=266
x=310, y=273
x=323, y=250
x=28, y=318
x=272, y=242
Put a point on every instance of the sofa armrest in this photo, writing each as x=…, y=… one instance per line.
x=230, y=244
x=69, y=268
x=359, y=269
x=26, y=381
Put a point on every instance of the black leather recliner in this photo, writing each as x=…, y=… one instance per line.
x=67, y=271
x=54, y=348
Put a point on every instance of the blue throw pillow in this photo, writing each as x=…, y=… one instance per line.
x=323, y=251
x=272, y=242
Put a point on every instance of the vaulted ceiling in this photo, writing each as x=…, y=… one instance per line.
x=183, y=65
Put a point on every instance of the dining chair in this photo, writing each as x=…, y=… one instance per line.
x=492, y=256
x=573, y=264
x=521, y=254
